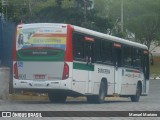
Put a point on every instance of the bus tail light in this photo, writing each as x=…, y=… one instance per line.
x=65, y=71
x=15, y=71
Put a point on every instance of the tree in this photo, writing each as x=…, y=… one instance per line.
x=144, y=21
x=59, y=11
x=141, y=19
x=3, y=9
x=26, y=10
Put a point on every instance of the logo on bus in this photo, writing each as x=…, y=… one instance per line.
x=20, y=64
x=105, y=71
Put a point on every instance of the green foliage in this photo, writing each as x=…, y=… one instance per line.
x=141, y=17
x=144, y=21
x=26, y=10
x=57, y=11
x=155, y=68
x=0, y=6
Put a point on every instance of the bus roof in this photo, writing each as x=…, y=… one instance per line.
x=31, y=25
x=109, y=37
x=90, y=32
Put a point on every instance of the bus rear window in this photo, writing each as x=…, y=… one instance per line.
x=41, y=43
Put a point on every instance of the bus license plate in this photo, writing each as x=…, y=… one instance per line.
x=39, y=76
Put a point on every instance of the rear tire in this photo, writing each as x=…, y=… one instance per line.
x=100, y=98
x=135, y=98
x=91, y=99
x=57, y=97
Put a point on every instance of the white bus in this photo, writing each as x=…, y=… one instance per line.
x=66, y=60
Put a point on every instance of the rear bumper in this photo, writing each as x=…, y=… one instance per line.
x=43, y=85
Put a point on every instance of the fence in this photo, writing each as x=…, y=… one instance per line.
x=6, y=43
x=7, y=31
x=4, y=82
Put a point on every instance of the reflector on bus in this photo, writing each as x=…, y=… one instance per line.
x=145, y=52
x=117, y=45
x=89, y=39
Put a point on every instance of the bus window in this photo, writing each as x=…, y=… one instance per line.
x=107, y=52
x=127, y=52
x=88, y=51
x=137, y=58
x=145, y=66
x=98, y=57
x=78, y=46
x=117, y=55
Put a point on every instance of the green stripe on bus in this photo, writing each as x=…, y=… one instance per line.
x=83, y=66
x=135, y=71
x=59, y=57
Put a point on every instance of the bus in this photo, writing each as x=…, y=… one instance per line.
x=66, y=60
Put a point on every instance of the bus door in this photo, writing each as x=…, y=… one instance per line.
x=118, y=69
x=82, y=65
x=89, y=42
x=145, y=64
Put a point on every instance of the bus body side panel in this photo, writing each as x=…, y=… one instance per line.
x=87, y=82
x=118, y=80
x=130, y=80
x=103, y=72
x=146, y=73
x=128, y=83
x=80, y=79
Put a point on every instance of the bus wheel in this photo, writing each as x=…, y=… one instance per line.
x=57, y=98
x=102, y=93
x=100, y=97
x=135, y=98
x=91, y=99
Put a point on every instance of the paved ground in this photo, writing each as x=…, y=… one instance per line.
x=147, y=103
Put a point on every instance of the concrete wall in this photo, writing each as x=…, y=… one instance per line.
x=4, y=82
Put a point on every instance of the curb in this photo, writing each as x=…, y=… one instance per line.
x=45, y=98
x=27, y=97
x=154, y=79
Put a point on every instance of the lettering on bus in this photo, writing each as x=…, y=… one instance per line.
x=39, y=53
x=133, y=75
x=20, y=64
x=105, y=71
x=48, y=41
